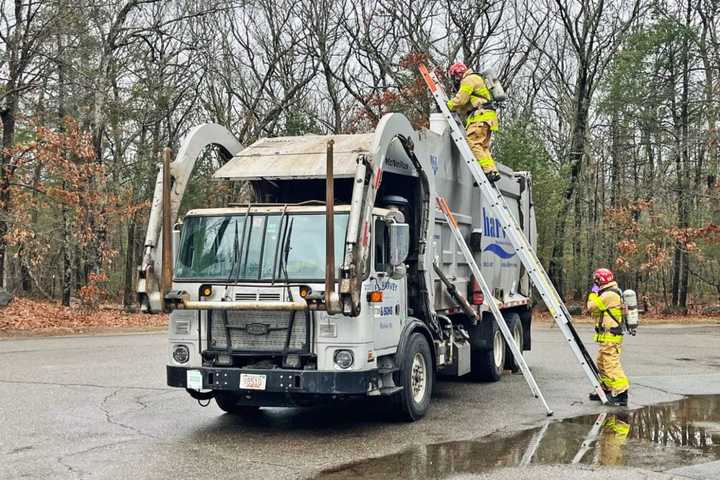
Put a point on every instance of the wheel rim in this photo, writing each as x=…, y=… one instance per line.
x=418, y=377
x=498, y=349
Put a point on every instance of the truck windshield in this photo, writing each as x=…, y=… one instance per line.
x=259, y=247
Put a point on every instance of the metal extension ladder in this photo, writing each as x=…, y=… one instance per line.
x=509, y=340
x=525, y=253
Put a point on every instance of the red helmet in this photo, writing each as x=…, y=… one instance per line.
x=603, y=276
x=457, y=69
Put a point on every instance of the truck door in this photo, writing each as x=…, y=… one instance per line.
x=388, y=315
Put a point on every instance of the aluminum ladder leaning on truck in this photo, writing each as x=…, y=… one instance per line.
x=539, y=277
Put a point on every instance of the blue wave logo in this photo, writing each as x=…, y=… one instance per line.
x=499, y=251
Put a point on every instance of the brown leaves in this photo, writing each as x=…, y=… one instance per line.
x=62, y=201
x=25, y=316
x=648, y=237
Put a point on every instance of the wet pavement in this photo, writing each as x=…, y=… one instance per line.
x=656, y=438
x=97, y=407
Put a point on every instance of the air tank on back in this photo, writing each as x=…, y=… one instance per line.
x=632, y=315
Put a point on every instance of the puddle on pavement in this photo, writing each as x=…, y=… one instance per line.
x=656, y=437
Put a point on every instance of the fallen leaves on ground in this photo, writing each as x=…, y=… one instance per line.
x=31, y=317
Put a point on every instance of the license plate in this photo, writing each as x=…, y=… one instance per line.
x=249, y=381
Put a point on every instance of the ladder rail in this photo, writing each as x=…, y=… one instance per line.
x=523, y=249
x=590, y=438
x=492, y=303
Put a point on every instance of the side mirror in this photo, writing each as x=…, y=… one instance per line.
x=399, y=243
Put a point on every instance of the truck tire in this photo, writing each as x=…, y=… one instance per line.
x=228, y=402
x=516, y=329
x=416, y=378
x=488, y=364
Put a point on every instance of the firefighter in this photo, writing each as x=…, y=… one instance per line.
x=474, y=101
x=605, y=305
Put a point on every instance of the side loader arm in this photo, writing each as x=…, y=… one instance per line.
x=148, y=288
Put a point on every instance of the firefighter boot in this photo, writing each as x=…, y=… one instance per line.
x=493, y=176
x=620, y=400
x=596, y=398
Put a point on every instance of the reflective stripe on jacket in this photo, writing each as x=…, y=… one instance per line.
x=606, y=308
x=470, y=98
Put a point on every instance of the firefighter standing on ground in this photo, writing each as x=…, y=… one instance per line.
x=474, y=101
x=606, y=307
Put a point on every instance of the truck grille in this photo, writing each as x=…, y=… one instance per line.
x=257, y=331
x=245, y=297
x=254, y=297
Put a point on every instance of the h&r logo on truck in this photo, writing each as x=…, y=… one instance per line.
x=493, y=228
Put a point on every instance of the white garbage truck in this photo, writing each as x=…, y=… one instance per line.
x=341, y=278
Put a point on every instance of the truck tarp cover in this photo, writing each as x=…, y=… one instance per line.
x=295, y=157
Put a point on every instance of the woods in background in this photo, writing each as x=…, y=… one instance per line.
x=613, y=107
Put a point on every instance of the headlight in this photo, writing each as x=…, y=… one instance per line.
x=181, y=354
x=344, y=358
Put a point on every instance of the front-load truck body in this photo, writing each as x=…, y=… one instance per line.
x=257, y=318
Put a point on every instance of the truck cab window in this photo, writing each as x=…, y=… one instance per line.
x=382, y=253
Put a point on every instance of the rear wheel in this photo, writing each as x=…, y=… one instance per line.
x=516, y=329
x=488, y=364
x=228, y=402
x=416, y=377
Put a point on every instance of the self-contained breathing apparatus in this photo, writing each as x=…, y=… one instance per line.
x=493, y=84
x=629, y=320
x=497, y=92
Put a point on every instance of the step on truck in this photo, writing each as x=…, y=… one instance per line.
x=341, y=278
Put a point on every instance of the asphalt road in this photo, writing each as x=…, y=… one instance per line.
x=97, y=407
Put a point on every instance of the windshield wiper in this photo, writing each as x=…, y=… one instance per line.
x=281, y=240
x=238, y=245
x=286, y=250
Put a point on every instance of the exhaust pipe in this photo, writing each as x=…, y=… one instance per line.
x=332, y=300
x=167, y=254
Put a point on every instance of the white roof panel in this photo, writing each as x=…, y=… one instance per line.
x=296, y=157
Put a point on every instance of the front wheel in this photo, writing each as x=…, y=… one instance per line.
x=416, y=378
x=228, y=402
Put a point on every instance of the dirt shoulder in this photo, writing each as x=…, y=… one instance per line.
x=28, y=317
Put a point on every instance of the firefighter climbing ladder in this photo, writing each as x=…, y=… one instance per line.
x=525, y=253
x=452, y=223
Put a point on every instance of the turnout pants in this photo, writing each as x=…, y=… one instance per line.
x=478, y=136
x=612, y=376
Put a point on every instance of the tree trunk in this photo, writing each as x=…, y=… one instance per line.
x=128, y=297
x=576, y=155
x=67, y=261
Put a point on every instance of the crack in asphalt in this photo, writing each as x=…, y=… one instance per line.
x=109, y=417
x=76, y=472
x=89, y=385
x=79, y=473
x=142, y=399
x=657, y=388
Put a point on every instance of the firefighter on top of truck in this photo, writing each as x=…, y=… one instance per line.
x=605, y=303
x=474, y=100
